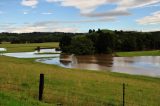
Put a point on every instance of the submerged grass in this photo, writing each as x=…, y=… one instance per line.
x=19, y=80
x=139, y=53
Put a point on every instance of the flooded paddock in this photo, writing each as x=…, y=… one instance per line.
x=141, y=65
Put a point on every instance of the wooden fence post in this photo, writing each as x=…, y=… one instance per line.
x=41, y=86
x=123, y=94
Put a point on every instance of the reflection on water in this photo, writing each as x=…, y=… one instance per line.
x=34, y=54
x=144, y=65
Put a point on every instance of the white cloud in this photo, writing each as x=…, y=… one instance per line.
x=36, y=27
x=27, y=28
x=130, y=4
x=151, y=29
x=47, y=13
x=50, y=23
x=50, y=26
x=25, y=12
x=152, y=19
x=65, y=29
x=85, y=6
x=29, y=3
x=123, y=6
x=112, y=13
x=88, y=7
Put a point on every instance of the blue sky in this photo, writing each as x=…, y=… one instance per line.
x=78, y=15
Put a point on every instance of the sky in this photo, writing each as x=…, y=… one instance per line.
x=20, y=16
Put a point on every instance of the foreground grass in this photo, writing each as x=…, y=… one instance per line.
x=26, y=47
x=139, y=53
x=19, y=80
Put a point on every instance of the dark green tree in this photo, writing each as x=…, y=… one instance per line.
x=81, y=45
x=65, y=43
x=105, y=43
x=90, y=31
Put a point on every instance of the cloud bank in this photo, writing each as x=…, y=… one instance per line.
x=88, y=7
x=50, y=26
x=154, y=18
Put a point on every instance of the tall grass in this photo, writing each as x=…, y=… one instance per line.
x=19, y=80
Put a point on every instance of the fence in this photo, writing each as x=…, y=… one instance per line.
x=122, y=96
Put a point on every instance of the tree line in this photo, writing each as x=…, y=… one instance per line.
x=107, y=41
x=93, y=42
x=35, y=37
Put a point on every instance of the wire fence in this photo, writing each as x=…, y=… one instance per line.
x=91, y=93
x=122, y=95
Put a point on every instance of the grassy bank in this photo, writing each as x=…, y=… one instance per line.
x=19, y=86
x=26, y=47
x=139, y=53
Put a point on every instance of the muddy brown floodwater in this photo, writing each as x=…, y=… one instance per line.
x=142, y=65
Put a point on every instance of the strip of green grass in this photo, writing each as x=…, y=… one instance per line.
x=19, y=81
x=8, y=99
x=26, y=47
x=139, y=53
x=46, y=53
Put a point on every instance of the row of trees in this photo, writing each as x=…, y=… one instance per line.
x=106, y=41
x=36, y=37
x=101, y=41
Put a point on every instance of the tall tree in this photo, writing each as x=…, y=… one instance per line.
x=65, y=43
x=81, y=45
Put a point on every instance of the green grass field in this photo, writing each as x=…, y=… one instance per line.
x=139, y=53
x=26, y=47
x=19, y=85
x=19, y=81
